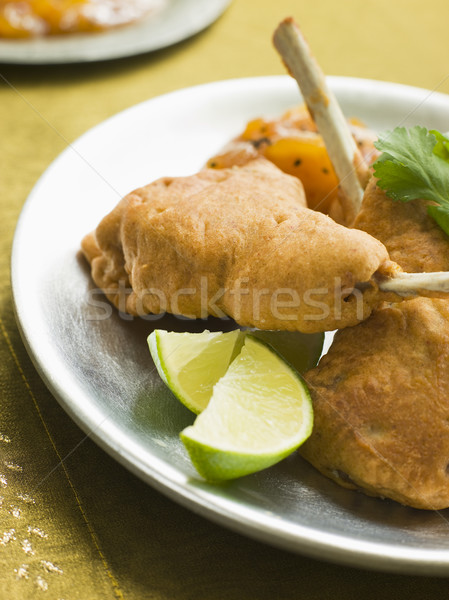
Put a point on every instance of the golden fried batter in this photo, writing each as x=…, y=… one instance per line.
x=381, y=405
x=412, y=238
x=236, y=242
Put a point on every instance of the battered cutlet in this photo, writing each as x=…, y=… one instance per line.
x=381, y=405
x=381, y=394
x=237, y=242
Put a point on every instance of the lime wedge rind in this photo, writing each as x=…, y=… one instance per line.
x=155, y=352
x=217, y=464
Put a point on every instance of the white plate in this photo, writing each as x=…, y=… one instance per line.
x=98, y=366
x=178, y=20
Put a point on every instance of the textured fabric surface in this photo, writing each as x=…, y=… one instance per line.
x=75, y=525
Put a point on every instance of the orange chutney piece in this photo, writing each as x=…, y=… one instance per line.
x=35, y=18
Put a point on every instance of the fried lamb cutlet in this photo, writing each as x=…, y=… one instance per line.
x=381, y=394
x=381, y=405
x=237, y=242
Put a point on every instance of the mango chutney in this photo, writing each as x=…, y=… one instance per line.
x=35, y=18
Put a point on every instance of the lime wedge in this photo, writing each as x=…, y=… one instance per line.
x=259, y=413
x=191, y=363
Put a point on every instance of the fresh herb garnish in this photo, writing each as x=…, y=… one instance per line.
x=415, y=164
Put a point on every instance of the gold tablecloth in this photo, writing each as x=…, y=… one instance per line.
x=74, y=524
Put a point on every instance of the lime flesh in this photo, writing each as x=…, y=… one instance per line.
x=191, y=363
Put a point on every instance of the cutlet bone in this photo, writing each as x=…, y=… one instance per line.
x=349, y=165
x=416, y=284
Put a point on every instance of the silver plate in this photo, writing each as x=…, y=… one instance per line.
x=96, y=362
x=174, y=22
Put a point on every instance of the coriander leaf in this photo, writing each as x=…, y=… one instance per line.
x=409, y=169
x=400, y=181
x=441, y=215
x=405, y=144
x=441, y=148
x=414, y=164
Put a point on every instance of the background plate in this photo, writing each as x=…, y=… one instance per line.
x=96, y=362
x=178, y=20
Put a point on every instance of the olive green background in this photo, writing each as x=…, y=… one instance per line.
x=74, y=525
